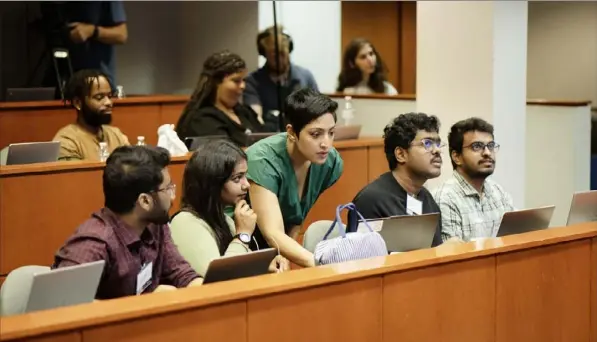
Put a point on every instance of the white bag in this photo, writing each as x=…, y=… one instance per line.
x=168, y=139
x=349, y=246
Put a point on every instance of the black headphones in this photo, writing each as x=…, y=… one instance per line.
x=269, y=32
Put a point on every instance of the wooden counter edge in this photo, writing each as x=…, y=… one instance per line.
x=105, y=312
x=64, y=166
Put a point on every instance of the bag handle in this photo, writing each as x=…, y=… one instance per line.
x=338, y=219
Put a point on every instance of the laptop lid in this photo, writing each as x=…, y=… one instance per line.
x=524, y=221
x=65, y=286
x=405, y=233
x=583, y=207
x=240, y=266
x=30, y=94
x=32, y=152
x=193, y=143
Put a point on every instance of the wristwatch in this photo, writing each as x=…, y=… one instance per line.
x=243, y=237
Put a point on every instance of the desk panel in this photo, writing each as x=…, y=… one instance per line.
x=218, y=323
x=344, y=312
x=594, y=291
x=30, y=125
x=138, y=120
x=542, y=294
x=453, y=302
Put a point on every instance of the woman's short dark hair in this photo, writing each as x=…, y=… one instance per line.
x=209, y=168
x=131, y=171
x=351, y=75
x=305, y=105
x=402, y=131
x=215, y=68
x=456, y=135
x=80, y=83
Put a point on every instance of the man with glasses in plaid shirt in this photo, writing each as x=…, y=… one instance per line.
x=471, y=204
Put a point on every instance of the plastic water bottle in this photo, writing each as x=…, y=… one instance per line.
x=103, y=151
x=348, y=111
x=140, y=140
x=120, y=92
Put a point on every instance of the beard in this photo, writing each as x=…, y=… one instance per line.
x=474, y=173
x=159, y=215
x=95, y=119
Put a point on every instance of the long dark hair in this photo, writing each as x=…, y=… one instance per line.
x=209, y=168
x=215, y=69
x=351, y=75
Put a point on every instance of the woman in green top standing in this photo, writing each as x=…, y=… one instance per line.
x=289, y=171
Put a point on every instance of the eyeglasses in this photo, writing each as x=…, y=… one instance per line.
x=428, y=144
x=170, y=188
x=478, y=146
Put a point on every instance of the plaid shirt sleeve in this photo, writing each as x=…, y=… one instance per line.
x=450, y=216
x=79, y=250
x=176, y=271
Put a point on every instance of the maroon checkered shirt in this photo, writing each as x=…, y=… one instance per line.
x=105, y=237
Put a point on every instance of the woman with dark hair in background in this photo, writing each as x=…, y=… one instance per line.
x=215, y=179
x=214, y=107
x=363, y=71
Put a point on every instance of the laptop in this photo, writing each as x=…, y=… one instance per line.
x=193, y=143
x=65, y=286
x=240, y=266
x=583, y=208
x=405, y=233
x=524, y=221
x=30, y=94
x=347, y=132
x=29, y=153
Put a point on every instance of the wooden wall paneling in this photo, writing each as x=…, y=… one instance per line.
x=224, y=322
x=346, y=312
x=378, y=163
x=32, y=125
x=542, y=293
x=449, y=302
x=594, y=291
x=50, y=207
x=408, y=48
x=170, y=112
x=138, y=120
x=378, y=22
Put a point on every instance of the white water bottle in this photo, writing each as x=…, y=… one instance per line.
x=103, y=151
x=120, y=92
x=348, y=111
x=140, y=140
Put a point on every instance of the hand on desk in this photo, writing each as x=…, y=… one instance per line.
x=164, y=288
x=279, y=264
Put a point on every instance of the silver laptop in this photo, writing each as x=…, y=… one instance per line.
x=347, y=132
x=524, y=221
x=405, y=233
x=583, y=208
x=29, y=153
x=240, y=266
x=65, y=286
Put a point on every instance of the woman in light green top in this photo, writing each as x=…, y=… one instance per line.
x=215, y=178
x=289, y=171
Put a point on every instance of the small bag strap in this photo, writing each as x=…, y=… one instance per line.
x=338, y=219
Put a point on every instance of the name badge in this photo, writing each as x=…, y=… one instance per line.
x=413, y=206
x=144, y=277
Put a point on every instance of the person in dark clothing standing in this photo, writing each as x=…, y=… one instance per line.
x=214, y=108
x=89, y=30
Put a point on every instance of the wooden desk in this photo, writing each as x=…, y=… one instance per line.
x=40, y=120
x=539, y=286
x=42, y=204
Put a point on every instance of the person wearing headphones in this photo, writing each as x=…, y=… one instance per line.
x=261, y=92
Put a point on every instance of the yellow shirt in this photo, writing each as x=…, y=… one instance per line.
x=77, y=143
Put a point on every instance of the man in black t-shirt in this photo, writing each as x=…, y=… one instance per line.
x=412, y=146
